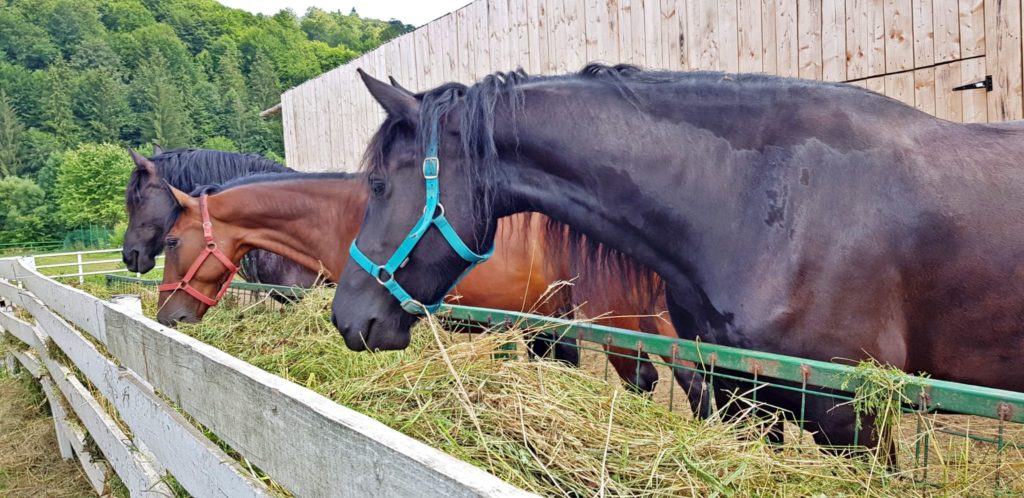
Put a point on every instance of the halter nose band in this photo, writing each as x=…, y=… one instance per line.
x=210, y=249
x=431, y=169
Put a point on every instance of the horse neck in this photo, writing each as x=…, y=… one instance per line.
x=311, y=222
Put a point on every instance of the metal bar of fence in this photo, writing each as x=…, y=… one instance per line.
x=62, y=265
x=806, y=375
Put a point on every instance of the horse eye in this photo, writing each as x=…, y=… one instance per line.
x=377, y=187
x=171, y=243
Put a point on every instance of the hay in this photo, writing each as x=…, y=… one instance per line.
x=30, y=463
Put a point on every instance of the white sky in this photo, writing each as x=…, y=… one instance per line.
x=415, y=12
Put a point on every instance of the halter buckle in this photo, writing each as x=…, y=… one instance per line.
x=380, y=270
x=431, y=168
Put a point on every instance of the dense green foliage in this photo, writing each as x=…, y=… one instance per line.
x=90, y=185
x=132, y=72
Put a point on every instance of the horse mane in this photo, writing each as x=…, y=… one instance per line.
x=186, y=169
x=271, y=178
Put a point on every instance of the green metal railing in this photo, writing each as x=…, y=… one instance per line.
x=921, y=396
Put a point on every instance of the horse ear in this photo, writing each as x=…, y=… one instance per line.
x=157, y=149
x=141, y=162
x=398, y=85
x=184, y=200
x=397, y=103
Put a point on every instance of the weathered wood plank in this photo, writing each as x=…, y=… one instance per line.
x=728, y=36
x=946, y=16
x=769, y=57
x=787, y=38
x=924, y=90
x=69, y=440
x=972, y=28
x=975, y=103
x=575, y=29
x=899, y=42
x=355, y=455
x=520, y=26
x=29, y=361
x=498, y=34
x=542, y=26
x=809, y=38
x=900, y=86
x=833, y=41
x=749, y=36
x=704, y=39
x=948, y=104
x=638, y=30
x=670, y=42
x=876, y=84
x=481, y=30
x=22, y=331
x=924, y=33
x=654, y=27
x=558, y=37
x=465, y=39
x=138, y=476
x=206, y=471
x=857, y=46
x=77, y=306
x=1003, y=56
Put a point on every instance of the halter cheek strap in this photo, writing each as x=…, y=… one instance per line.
x=210, y=249
x=385, y=274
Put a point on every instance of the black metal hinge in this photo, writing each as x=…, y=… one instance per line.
x=986, y=84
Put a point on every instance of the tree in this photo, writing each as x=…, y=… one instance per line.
x=24, y=42
x=24, y=212
x=220, y=143
x=165, y=119
x=90, y=185
x=264, y=85
x=57, y=111
x=11, y=130
x=34, y=151
x=101, y=103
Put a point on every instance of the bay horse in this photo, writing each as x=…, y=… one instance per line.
x=311, y=218
x=804, y=218
x=150, y=205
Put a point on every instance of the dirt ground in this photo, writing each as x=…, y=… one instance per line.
x=30, y=463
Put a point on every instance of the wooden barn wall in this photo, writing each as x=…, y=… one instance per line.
x=916, y=51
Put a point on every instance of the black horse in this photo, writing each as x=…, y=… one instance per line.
x=152, y=208
x=804, y=218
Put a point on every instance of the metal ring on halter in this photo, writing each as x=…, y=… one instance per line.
x=380, y=270
x=211, y=245
x=439, y=205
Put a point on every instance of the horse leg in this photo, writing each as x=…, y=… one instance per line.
x=639, y=375
x=690, y=381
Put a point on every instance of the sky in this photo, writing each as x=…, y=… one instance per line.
x=415, y=12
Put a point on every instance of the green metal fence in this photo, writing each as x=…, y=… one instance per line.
x=1001, y=411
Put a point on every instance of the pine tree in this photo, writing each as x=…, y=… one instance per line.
x=165, y=119
x=237, y=120
x=11, y=130
x=264, y=85
x=102, y=103
x=58, y=115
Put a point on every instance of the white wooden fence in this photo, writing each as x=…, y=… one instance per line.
x=151, y=375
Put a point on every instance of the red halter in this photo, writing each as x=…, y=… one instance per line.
x=211, y=248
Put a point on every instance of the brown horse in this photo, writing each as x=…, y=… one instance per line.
x=312, y=218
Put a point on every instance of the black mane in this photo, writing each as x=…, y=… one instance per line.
x=271, y=178
x=186, y=169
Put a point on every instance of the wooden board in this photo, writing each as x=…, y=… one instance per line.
x=899, y=41
x=769, y=57
x=533, y=43
x=749, y=36
x=671, y=12
x=948, y=104
x=900, y=86
x=704, y=39
x=975, y=103
x=924, y=90
x=728, y=37
x=809, y=38
x=498, y=34
x=786, y=29
x=833, y=41
x=198, y=464
x=924, y=33
x=655, y=48
x=946, y=18
x=575, y=54
x=972, y=28
x=138, y=475
x=1003, y=57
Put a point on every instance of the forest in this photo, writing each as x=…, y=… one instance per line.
x=82, y=79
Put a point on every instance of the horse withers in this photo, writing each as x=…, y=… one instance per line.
x=810, y=219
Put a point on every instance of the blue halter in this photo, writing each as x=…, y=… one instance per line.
x=430, y=171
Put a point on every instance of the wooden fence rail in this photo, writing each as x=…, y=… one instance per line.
x=305, y=442
x=916, y=51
